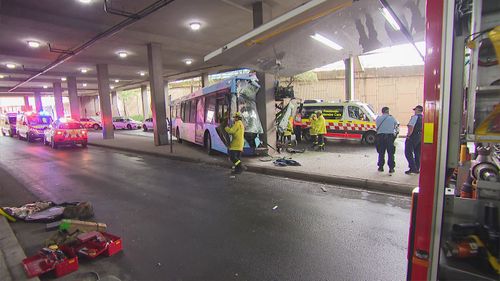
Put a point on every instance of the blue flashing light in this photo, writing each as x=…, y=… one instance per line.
x=44, y=113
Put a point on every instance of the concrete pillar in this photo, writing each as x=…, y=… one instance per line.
x=157, y=87
x=114, y=104
x=105, y=101
x=146, y=103
x=26, y=101
x=349, y=78
x=58, y=99
x=204, y=80
x=38, y=101
x=74, y=100
x=265, y=97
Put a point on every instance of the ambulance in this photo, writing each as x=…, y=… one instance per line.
x=31, y=125
x=351, y=120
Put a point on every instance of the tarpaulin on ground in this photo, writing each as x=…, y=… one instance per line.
x=47, y=211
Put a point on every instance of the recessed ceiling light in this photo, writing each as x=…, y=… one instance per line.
x=195, y=25
x=84, y=70
x=85, y=1
x=122, y=54
x=142, y=73
x=111, y=87
x=116, y=80
x=33, y=44
x=84, y=84
x=1, y=76
x=45, y=86
x=10, y=65
x=63, y=78
x=188, y=61
x=326, y=41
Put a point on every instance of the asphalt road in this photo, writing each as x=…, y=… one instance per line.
x=185, y=221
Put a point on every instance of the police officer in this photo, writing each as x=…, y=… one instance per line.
x=236, y=146
x=386, y=129
x=413, y=139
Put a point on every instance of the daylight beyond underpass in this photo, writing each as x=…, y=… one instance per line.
x=184, y=221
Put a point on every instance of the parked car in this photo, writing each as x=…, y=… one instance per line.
x=8, y=124
x=147, y=125
x=32, y=125
x=125, y=123
x=65, y=131
x=91, y=123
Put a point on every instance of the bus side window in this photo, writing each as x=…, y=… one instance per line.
x=192, y=111
x=220, y=110
x=210, y=109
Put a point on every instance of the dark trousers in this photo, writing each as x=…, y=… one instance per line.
x=314, y=139
x=234, y=156
x=412, y=152
x=321, y=140
x=385, y=142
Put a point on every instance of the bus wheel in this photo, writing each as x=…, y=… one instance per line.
x=208, y=144
x=178, y=135
x=370, y=137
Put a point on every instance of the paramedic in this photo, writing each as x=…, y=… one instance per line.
x=313, y=130
x=236, y=147
x=386, y=129
x=321, y=130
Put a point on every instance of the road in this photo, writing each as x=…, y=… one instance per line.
x=186, y=221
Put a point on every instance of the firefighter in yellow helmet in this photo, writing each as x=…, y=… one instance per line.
x=236, y=146
x=313, y=130
x=321, y=130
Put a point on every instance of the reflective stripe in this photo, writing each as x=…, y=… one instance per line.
x=237, y=163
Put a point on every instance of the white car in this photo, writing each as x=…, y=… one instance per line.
x=147, y=125
x=125, y=123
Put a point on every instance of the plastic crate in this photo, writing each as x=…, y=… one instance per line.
x=42, y=263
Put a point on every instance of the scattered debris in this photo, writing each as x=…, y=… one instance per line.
x=286, y=162
x=232, y=177
x=48, y=211
x=275, y=207
x=295, y=150
x=324, y=189
x=83, y=226
x=158, y=264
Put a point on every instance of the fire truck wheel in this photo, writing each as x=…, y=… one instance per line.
x=369, y=138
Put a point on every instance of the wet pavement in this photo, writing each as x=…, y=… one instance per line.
x=186, y=221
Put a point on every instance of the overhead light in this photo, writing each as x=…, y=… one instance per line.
x=195, y=25
x=142, y=73
x=45, y=86
x=116, y=80
x=63, y=78
x=85, y=1
x=33, y=44
x=188, y=61
x=122, y=54
x=84, y=70
x=111, y=87
x=326, y=41
x=10, y=65
x=84, y=84
x=390, y=19
x=1, y=76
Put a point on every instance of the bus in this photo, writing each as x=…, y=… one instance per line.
x=200, y=117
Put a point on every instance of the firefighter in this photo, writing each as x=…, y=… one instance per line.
x=313, y=130
x=321, y=130
x=236, y=147
x=288, y=132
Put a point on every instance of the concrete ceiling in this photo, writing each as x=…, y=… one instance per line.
x=66, y=24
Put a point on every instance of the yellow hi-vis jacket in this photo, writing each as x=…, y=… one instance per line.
x=236, y=131
x=313, y=130
x=321, y=125
x=289, y=128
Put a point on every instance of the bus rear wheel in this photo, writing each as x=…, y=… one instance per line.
x=208, y=144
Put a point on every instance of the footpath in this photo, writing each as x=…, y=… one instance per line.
x=343, y=163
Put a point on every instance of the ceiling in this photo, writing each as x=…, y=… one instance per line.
x=66, y=24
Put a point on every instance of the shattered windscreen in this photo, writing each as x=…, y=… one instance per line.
x=244, y=102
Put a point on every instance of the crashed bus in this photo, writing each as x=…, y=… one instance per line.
x=200, y=117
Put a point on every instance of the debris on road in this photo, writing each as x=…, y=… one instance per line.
x=84, y=226
x=275, y=207
x=48, y=211
x=324, y=189
x=285, y=162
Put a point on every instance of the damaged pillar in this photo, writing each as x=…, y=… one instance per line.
x=349, y=79
x=157, y=87
x=265, y=97
x=74, y=100
x=105, y=101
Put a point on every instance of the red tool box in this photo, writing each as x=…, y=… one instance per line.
x=62, y=261
x=95, y=243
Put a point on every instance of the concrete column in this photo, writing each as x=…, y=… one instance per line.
x=26, y=101
x=114, y=104
x=146, y=103
x=105, y=101
x=349, y=78
x=58, y=99
x=265, y=97
x=204, y=80
x=74, y=100
x=38, y=101
x=157, y=87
